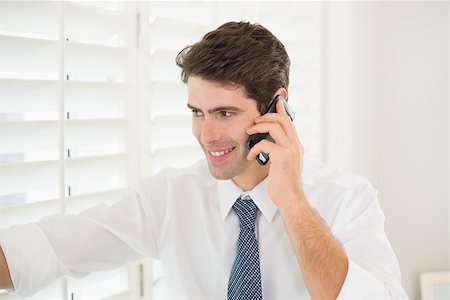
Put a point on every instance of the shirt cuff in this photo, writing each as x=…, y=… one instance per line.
x=32, y=265
x=360, y=284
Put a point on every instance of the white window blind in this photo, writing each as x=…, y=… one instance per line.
x=68, y=101
x=172, y=142
x=100, y=101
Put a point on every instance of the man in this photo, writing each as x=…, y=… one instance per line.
x=228, y=227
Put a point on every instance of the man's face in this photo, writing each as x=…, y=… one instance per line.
x=220, y=115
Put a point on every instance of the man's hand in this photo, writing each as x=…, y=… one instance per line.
x=5, y=278
x=314, y=245
x=286, y=156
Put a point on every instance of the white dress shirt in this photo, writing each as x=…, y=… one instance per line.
x=184, y=218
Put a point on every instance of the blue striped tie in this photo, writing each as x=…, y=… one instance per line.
x=245, y=277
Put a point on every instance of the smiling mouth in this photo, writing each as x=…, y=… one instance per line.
x=221, y=153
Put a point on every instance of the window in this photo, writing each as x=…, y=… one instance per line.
x=67, y=105
x=91, y=102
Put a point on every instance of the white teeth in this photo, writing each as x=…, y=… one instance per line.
x=220, y=153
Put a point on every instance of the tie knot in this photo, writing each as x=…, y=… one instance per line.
x=247, y=212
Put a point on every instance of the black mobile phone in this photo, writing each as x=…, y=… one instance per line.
x=263, y=158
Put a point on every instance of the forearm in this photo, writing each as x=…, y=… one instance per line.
x=323, y=262
x=5, y=277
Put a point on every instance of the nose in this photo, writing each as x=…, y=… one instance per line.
x=211, y=132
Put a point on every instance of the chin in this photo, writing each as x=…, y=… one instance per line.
x=230, y=169
x=219, y=174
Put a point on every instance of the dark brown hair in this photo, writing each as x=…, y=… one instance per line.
x=239, y=54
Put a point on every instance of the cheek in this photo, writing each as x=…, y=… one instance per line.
x=238, y=133
x=244, y=138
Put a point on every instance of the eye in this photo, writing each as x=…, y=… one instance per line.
x=226, y=114
x=196, y=113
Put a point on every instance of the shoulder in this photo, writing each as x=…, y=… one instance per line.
x=334, y=192
x=316, y=174
x=196, y=175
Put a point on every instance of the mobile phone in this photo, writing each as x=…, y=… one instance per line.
x=263, y=158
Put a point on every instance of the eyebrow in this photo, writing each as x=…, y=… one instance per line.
x=216, y=109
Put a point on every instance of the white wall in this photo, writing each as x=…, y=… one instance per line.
x=386, y=68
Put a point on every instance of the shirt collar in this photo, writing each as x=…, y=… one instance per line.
x=229, y=192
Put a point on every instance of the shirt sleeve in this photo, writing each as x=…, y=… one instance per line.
x=100, y=238
x=373, y=270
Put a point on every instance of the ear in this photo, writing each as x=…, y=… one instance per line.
x=281, y=91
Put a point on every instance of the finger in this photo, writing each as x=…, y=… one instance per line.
x=263, y=146
x=283, y=120
x=272, y=117
x=281, y=109
x=274, y=129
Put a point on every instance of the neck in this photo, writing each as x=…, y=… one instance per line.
x=250, y=178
